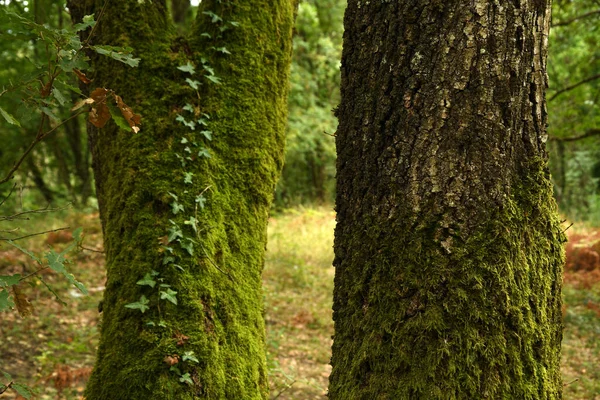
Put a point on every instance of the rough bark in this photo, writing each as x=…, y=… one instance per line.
x=448, y=249
x=219, y=310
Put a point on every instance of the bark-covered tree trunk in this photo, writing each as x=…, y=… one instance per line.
x=181, y=210
x=448, y=246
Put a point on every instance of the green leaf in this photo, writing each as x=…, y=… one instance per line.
x=117, y=116
x=213, y=79
x=146, y=281
x=193, y=84
x=9, y=280
x=59, y=96
x=203, y=153
x=23, y=390
x=223, y=50
x=183, y=141
x=207, y=134
x=214, y=17
x=122, y=54
x=190, y=356
x=208, y=69
x=188, y=246
x=50, y=114
x=168, y=259
x=188, y=178
x=189, y=68
x=6, y=301
x=141, y=305
x=9, y=118
x=88, y=22
x=201, y=200
x=193, y=222
x=185, y=378
x=169, y=295
x=56, y=262
x=176, y=208
x=188, y=107
x=31, y=255
x=174, y=233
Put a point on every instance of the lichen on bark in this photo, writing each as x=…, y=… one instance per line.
x=448, y=248
x=219, y=311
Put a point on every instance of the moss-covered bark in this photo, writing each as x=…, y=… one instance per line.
x=448, y=246
x=218, y=314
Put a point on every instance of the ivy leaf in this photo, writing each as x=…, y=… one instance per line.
x=188, y=246
x=204, y=153
x=207, y=134
x=185, y=378
x=174, y=233
x=213, y=79
x=188, y=107
x=190, y=356
x=208, y=69
x=194, y=84
x=202, y=122
x=9, y=118
x=188, y=178
x=189, y=68
x=141, y=305
x=169, y=295
x=122, y=54
x=147, y=281
x=176, y=208
x=201, y=200
x=193, y=222
x=168, y=259
x=214, y=17
x=223, y=50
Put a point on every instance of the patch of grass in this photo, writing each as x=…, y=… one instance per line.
x=53, y=349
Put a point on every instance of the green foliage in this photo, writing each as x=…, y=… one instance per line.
x=314, y=92
x=573, y=105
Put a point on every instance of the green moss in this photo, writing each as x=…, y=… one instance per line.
x=219, y=310
x=480, y=318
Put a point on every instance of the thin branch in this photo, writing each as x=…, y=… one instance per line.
x=591, y=132
x=563, y=90
x=578, y=17
x=37, y=271
x=38, y=138
x=9, y=194
x=20, y=215
x=6, y=387
x=87, y=40
x=35, y=234
x=568, y=383
x=92, y=250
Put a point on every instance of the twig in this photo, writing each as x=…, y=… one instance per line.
x=568, y=383
x=34, y=273
x=561, y=91
x=87, y=40
x=95, y=251
x=567, y=228
x=591, y=132
x=282, y=391
x=35, y=234
x=20, y=215
x=576, y=18
x=9, y=194
x=6, y=387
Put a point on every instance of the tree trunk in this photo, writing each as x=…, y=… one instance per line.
x=176, y=217
x=448, y=249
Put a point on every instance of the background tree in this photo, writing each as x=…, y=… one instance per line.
x=184, y=203
x=448, y=246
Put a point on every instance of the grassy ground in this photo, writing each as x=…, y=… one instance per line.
x=53, y=350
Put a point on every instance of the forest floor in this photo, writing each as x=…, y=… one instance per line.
x=53, y=349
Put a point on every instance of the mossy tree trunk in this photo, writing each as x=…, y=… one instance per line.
x=181, y=210
x=448, y=249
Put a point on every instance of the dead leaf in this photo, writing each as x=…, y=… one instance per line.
x=82, y=103
x=181, y=338
x=82, y=76
x=132, y=118
x=99, y=115
x=24, y=307
x=171, y=360
x=46, y=89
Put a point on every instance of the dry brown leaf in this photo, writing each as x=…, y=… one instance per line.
x=82, y=103
x=82, y=76
x=181, y=338
x=99, y=115
x=171, y=360
x=46, y=89
x=132, y=118
x=24, y=307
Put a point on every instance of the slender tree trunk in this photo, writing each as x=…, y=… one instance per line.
x=448, y=249
x=179, y=218
x=81, y=156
